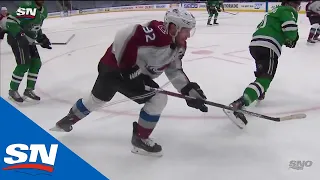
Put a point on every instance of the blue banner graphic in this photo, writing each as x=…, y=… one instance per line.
x=29, y=152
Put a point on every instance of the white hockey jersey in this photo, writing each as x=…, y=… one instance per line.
x=149, y=47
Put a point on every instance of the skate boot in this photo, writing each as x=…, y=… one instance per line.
x=237, y=118
x=209, y=22
x=144, y=146
x=15, y=96
x=311, y=41
x=65, y=124
x=29, y=94
x=215, y=22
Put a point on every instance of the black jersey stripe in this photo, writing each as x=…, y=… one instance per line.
x=267, y=40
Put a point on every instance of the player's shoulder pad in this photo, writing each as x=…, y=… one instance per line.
x=154, y=34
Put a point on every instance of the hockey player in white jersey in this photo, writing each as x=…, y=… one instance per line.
x=313, y=13
x=139, y=54
x=3, y=17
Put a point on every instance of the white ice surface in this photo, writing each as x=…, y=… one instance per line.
x=195, y=145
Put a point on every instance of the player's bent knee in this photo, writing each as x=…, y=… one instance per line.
x=36, y=63
x=315, y=26
x=156, y=104
x=92, y=103
x=22, y=68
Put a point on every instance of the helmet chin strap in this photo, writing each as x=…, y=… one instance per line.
x=174, y=44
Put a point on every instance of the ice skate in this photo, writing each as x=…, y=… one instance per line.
x=236, y=117
x=215, y=22
x=311, y=41
x=66, y=123
x=209, y=22
x=29, y=95
x=15, y=97
x=144, y=146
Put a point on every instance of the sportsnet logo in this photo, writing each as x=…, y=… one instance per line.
x=28, y=13
x=21, y=156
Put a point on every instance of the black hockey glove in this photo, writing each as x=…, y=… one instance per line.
x=137, y=81
x=193, y=89
x=44, y=41
x=292, y=44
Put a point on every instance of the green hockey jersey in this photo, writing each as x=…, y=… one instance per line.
x=278, y=27
x=28, y=19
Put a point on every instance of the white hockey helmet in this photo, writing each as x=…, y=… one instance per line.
x=181, y=18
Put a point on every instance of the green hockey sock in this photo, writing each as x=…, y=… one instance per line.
x=33, y=73
x=18, y=75
x=255, y=90
x=216, y=16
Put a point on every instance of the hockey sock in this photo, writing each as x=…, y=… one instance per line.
x=80, y=110
x=83, y=107
x=215, y=17
x=317, y=34
x=255, y=90
x=313, y=31
x=17, y=76
x=146, y=124
x=33, y=73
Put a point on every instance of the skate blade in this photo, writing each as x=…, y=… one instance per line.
x=15, y=102
x=139, y=151
x=30, y=101
x=239, y=123
x=57, y=129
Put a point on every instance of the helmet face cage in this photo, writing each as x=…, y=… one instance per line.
x=181, y=19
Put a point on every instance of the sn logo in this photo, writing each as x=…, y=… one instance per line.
x=26, y=12
x=21, y=156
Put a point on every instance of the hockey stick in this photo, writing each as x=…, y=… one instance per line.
x=60, y=43
x=277, y=119
x=231, y=13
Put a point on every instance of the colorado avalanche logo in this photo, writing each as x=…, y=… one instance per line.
x=156, y=70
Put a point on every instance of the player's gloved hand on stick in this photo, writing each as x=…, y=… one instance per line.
x=45, y=42
x=292, y=44
x=137, y=81
x=193, y=89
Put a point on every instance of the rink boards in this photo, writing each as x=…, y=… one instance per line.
x=230, y=6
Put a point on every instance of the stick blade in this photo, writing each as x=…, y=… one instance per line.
x=293, y=117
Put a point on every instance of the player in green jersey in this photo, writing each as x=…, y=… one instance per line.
x=278, y=28
x=24, y=28
x=213, y=8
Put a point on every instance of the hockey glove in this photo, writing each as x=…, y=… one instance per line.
x=292, y=44
x=44, y=41
x=193, y=89
x=136, y=81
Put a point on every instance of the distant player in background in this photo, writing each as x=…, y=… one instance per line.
x=278, y=28
x=213, y=9
x=3, y=18
x=139, y=54
x=313, y=13
x=23, y=31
